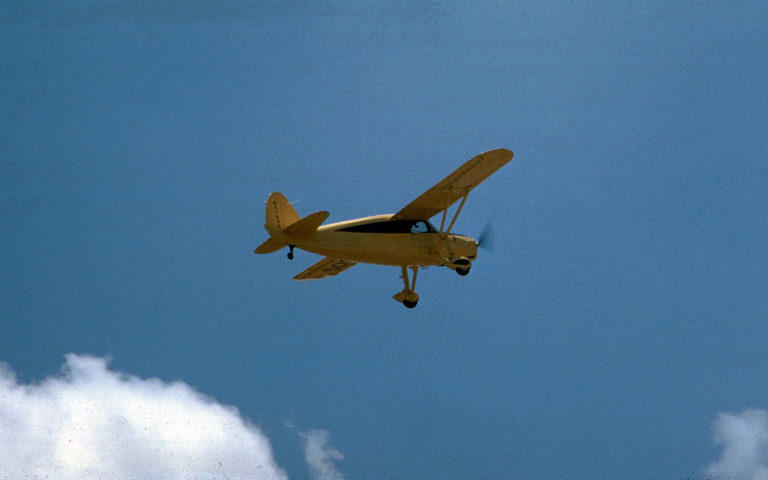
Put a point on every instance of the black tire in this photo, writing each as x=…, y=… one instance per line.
x=290, y=255
x=410, y=304
x=462, y=271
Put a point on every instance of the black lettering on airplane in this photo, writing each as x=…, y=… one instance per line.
x=277, y=215
x=337, y=266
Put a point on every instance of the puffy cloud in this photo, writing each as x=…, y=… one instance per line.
x=320, y=456
x=744, y=437
x=94, y=423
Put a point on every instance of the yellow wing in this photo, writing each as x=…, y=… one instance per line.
x=455, y=185
x=325, y=268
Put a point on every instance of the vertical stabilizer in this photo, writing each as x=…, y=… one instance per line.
x=280, y=214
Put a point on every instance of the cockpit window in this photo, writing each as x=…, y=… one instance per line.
x=393, y=226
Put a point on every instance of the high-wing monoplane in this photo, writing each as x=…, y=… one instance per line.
x=404, y=239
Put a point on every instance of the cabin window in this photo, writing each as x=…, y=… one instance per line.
x=392, y=226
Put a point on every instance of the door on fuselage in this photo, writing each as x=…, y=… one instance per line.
x=423, y=236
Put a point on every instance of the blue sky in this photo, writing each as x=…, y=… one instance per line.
x=623, y=310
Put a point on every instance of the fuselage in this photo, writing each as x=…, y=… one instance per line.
x=383, y=241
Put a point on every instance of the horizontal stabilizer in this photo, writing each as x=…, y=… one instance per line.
x=325, y=268
x=271, y=245
x=308, y=224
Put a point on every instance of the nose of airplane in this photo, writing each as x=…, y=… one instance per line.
x=465, y=247
x=473, y=249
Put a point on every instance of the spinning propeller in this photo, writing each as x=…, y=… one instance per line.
x=487, y=238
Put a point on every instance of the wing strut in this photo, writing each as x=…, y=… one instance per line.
x=442, y=223
x=456, y=215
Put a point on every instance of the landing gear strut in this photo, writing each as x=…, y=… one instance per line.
x=408, y=296
x=290, y=251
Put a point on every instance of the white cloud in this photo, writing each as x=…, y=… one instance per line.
x=320, y=456
x=94, y=423
x=744, y=438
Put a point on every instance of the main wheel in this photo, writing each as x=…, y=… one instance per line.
x=462, y=271
x=290, y=255
x=410, y=304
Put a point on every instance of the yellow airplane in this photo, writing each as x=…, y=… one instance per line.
x=404, y=239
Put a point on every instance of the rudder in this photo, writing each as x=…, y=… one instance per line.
x=280, y=214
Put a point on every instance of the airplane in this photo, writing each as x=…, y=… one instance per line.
x=404, y=239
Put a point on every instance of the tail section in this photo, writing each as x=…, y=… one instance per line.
x=308, y=224
x=271, y=245
x=284, y=224
x=280, y=214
